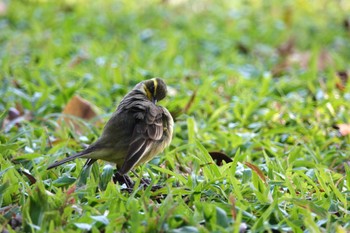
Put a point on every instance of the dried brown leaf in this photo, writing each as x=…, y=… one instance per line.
x=343, y=78
x=257, y=171
x=344, y=129
x=78, y=107
x=15, y=116
x=30, y=177
x=16, y=221
x=219, y=157
x=233, y=207
x=70, y=198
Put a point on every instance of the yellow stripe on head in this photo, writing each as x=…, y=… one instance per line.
x=155, y=83
x=147, y=92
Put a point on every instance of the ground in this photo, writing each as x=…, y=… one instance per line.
x=262, y=82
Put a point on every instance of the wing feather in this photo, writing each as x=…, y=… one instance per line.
x=148, y=129
x=134, y=157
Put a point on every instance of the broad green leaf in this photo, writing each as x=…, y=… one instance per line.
x=64, y=181
x=106, y=176
x=221, y=217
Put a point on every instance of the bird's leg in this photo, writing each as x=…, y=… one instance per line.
x=123, y=179
x=128, y=182
x=147, y=182
x=144, y=181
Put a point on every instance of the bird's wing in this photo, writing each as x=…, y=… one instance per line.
x=148, y=129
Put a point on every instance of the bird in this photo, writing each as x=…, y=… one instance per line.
x=138, y=130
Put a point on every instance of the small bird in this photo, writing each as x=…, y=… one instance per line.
x=137, y=131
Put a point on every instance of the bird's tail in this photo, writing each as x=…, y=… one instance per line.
x=70, y=158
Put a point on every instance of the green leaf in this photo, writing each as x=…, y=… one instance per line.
x=221, y=217
x=64, y=181
x=35, y=208
x=192, y=129
x=178, y=176
x=5, y=170
x=84, y=175
x=209, y=165
x=9, y=146
x=185, y=229
x=310, y=205
x=3, y=188
x=106, y=176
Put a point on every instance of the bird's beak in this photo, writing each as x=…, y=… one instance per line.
x=154, y=100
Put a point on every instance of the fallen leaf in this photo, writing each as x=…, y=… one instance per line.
x=30, y=177
x=15, y=116
x=78, y=107
x=70, y=198
x=219, y=157
x=344, y=129
x=233, y=207
x=257, y=171
x=16, y=222
x=343, y=78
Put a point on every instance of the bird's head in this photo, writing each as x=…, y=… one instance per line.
x=155, y=89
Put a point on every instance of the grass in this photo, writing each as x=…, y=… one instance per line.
x=290, y=170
